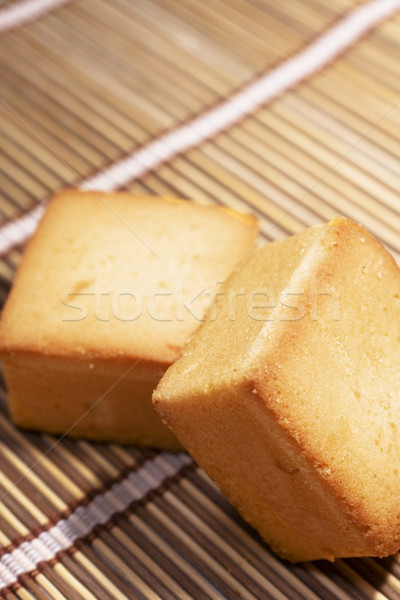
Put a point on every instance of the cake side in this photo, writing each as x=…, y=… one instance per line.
x=298, y=426
x=264, y=472
x=94, y=399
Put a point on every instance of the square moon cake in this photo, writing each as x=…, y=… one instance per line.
x=289, y=395
x=108, y=290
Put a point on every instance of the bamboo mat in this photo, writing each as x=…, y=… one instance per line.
x=87, y=84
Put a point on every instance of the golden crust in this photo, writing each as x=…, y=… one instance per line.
x=120, y=251
x=293, y=410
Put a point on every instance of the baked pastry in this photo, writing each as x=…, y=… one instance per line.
x=109, y=289
x=289, y=397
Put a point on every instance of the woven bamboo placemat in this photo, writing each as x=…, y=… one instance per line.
x=287, y=109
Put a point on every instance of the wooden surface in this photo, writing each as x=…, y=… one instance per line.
x=82, y=87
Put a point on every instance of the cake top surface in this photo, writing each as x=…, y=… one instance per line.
x=263, y=298
x=118, y=275
x=314, y=334
x=326, y=278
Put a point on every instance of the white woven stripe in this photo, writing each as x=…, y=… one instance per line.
x=62, y=536
x=291, y=72
x=18, y=231
x=25, y=11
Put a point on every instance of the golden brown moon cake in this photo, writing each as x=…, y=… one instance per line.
x=108, y=290
x=289, y=395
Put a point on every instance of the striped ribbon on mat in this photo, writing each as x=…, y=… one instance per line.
x=289, y=110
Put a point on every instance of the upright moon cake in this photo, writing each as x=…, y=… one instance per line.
x=108, y=290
